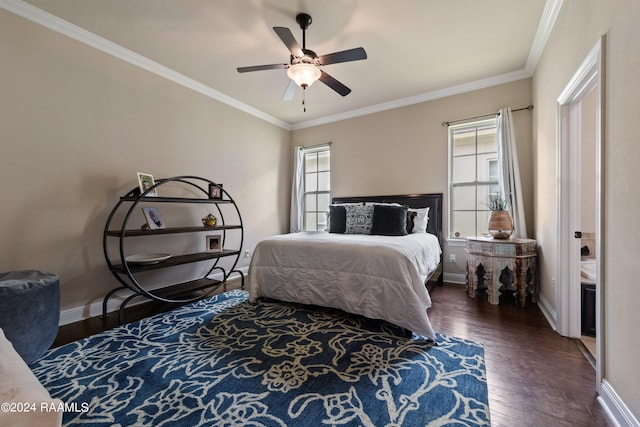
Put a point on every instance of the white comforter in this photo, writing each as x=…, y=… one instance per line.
x=380, y=277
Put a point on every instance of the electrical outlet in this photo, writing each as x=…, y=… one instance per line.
x=452, y=258
x=247, y=254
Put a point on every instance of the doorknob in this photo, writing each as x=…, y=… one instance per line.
x=578, y=234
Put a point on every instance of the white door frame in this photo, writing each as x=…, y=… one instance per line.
x=589, y=76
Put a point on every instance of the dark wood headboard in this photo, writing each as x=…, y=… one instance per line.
x=433, y=201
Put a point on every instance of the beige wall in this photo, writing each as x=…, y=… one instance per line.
x=404, y=151
x=579, y=26
x=76, y=125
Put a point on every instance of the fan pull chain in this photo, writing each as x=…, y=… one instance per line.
x=304, y=105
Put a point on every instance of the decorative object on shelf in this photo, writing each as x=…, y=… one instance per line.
x=500, y=225
x=147, y=258
x=209, y=221
x=214, y=243
x=154, y=219
x=215, y=191
x=145, y=182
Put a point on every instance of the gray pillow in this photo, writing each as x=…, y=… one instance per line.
x=359, y=219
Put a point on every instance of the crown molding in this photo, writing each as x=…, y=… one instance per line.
x=547, y=22
x=545, y=26
x=417, y=99
x=52, y=22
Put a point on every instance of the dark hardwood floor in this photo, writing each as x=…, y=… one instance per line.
x=535, y=376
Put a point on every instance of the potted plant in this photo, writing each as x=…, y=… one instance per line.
x=500, y=225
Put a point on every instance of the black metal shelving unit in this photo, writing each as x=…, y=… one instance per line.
x=184, y=291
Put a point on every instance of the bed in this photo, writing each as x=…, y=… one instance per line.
x=373, y=274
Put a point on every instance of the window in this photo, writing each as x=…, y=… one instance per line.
x=317, y=188
x=473, y=176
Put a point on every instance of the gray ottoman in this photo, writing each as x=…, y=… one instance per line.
x=30, y=311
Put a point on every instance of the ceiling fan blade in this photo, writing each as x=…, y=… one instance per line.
x=290, y=91
x=334, y=84
x=343, y=56
x=287, y=38
x=262, y=67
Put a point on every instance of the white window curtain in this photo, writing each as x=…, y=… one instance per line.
x=297, y=191
x=510, y=185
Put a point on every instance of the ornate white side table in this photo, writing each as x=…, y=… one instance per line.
x=502, y=266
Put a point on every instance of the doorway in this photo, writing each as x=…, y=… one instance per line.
x=585, y=200
x=580, y=114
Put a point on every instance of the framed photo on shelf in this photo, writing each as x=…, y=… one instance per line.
x=145, y=182
x=214, y=243
x=215, y=191
x=154, y=219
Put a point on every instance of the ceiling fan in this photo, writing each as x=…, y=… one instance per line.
x=304, y=66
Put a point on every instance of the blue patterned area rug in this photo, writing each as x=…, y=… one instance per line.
x=226, y=362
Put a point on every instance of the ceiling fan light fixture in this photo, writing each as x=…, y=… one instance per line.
x=303, y=74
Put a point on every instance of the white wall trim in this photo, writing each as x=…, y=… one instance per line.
x=456, y=243
x=68, y=29
x=94, y=309
x=589, y=76
x=52, y=22
x=545, y=26
x=615, y=407
x=77, y=314
x=417, y=99
x=547, y=21
x=457, y=278
x=581, y=82
x=548, y=312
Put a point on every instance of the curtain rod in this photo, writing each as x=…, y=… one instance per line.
x=325, y=144
x=528, y=107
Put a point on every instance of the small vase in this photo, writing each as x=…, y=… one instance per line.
x=500, y=225
x=209, y=221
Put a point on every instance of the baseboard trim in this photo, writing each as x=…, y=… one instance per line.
x=615, y=407
x=84, y=312
x=457, y=278
x=548, y=312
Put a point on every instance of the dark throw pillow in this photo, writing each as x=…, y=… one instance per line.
x=337, y=219
x=389, y=220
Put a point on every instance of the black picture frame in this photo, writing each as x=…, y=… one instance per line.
x=215, y=191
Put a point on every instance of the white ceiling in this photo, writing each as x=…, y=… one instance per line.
x=417, y=49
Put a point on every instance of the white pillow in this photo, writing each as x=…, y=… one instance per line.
x=421, y=220
x=380, y=203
